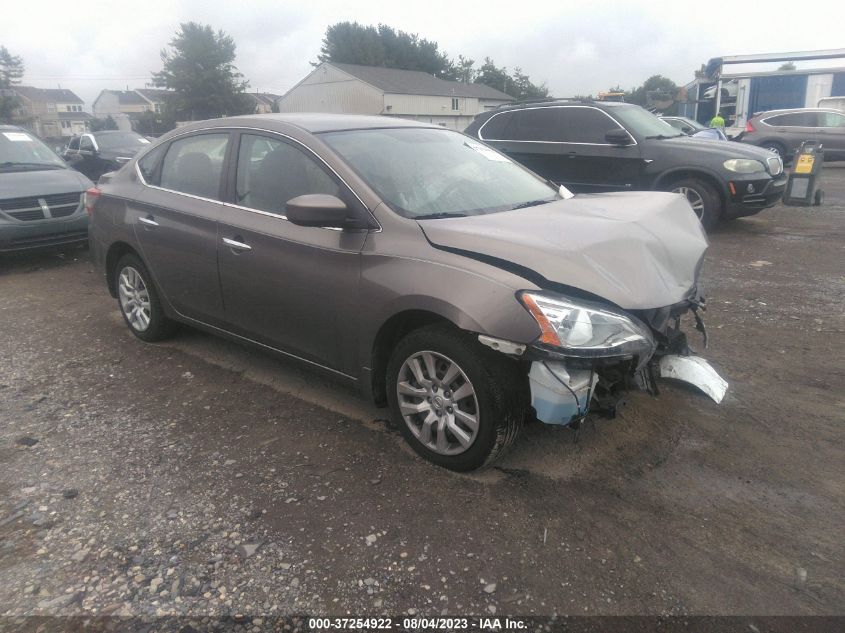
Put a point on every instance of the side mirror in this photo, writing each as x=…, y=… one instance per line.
x=317, y=209
x=618, y=136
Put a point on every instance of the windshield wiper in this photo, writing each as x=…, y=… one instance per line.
x=437, y=216
x=663, y=137
x=10, y=163
x=530, y=203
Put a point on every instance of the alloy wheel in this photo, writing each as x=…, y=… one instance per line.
x=694, y=198
x=134, y=298
x=438, y=403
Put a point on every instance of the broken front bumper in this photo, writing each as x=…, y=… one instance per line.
x=562, y=395
x=695, y=371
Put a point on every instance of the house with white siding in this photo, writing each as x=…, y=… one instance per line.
x=51, y=113
x=409, y=94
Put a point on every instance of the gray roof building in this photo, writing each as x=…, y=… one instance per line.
x=51, y=113
x=417, y=82
x=411, y=94
x=47, y=95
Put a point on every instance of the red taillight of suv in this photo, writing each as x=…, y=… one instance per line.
x=90, y=199
x=749, y=127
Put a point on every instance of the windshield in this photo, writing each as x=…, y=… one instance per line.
x=115, y=140
x=424, y=172
x=644, y=123
x=20, y=150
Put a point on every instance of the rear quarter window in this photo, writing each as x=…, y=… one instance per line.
x=495, y=127
x=148, y=165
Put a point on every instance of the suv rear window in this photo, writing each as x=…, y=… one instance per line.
x=567, y=124
x=794, y=119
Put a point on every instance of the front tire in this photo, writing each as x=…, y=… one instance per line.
x=139, y=302
x=457, y=403
x=703, y=199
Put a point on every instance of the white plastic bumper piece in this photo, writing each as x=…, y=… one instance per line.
x=695, y=371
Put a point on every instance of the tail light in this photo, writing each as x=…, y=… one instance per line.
x=90, y=199
x=749, y=127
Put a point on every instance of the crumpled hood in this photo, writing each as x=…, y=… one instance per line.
x=639, y=250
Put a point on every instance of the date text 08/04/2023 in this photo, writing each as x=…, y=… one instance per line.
x=419, y=624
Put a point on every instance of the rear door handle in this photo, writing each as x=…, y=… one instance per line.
x=148, y=221
x=236, y=245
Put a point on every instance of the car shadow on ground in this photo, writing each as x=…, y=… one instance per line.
x=31, y=261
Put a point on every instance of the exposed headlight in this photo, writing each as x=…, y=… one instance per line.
x=587, y=331
x=744, y=165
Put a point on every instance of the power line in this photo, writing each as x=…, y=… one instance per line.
x=85, y=77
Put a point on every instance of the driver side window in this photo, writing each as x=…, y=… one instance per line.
x=74, y=143
x=271, y=172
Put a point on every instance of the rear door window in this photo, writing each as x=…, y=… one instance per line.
x=271, y=172
x=536, y=124
x=193, y=165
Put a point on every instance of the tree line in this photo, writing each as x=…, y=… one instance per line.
x=199, y=69
x=382, y=45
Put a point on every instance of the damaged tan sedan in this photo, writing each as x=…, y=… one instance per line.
x=442, y=278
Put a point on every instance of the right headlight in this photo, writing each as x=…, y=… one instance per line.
x=744, y=165
x=587, y=331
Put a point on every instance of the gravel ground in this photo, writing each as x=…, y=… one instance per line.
x=199, y=478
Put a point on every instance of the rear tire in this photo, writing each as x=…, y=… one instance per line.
x=138, y=300
x=703, y=199
x=469, y=412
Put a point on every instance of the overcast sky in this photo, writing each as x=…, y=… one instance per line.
x=575, y=47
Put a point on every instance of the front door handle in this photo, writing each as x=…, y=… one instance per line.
x=148, y=221
x=236, y=245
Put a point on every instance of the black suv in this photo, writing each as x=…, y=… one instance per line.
x=96, y=153
x=591, y=146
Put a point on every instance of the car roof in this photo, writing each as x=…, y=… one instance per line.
x=791, y=110
x=540, y=103
x=313, y=122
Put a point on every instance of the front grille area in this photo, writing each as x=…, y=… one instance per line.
x=62, y=212
x=26, y=216
x=28, y=209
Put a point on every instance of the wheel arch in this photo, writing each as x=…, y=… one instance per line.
x=668, y=177
x=113, y=255
x=388, y=335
